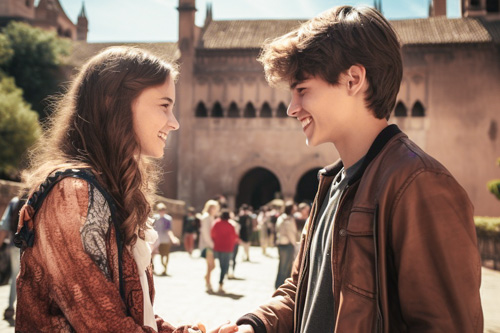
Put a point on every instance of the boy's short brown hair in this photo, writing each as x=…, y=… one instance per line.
x=331, y=43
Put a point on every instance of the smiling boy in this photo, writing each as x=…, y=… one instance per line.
x=390, y=245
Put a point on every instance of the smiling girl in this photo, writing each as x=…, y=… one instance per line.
x=85, y=234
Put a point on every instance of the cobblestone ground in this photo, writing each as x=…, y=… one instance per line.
x=181, y=297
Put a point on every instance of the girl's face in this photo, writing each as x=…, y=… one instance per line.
x=153, y=117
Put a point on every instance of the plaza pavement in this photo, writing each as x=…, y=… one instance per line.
x=181, y=296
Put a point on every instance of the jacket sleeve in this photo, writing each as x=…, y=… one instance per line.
x=89, y=301
x=435, y=255
x=277, y=314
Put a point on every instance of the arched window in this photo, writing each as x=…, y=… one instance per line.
x=281, y=111
x=201, y=110
x=233, y=111
x=266, y=112
x=418, y=110
x=217, y=111
x=400, y=110
x=249, y=111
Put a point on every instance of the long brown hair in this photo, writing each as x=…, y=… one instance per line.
x=92, y=127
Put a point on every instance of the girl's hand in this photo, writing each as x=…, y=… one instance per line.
x=227, y=327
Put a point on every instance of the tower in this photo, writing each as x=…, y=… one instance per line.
x=82, y=25
x=437, y=8
x=176, y=185
x=208, y=15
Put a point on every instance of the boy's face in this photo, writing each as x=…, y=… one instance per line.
x=324, y=110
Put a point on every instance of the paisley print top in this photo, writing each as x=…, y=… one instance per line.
x=69, y=279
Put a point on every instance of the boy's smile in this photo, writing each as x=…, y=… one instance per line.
x=323, y=109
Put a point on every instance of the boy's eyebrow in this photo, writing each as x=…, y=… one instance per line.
x=294, y=84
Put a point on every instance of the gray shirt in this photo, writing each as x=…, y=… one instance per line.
x=318, y=313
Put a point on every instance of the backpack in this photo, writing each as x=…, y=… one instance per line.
x=25, y=238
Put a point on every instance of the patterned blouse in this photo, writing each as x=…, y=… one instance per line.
x=69, y=279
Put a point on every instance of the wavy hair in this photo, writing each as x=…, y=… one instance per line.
x=92, y=127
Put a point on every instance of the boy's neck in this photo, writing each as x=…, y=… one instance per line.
x=359, y=141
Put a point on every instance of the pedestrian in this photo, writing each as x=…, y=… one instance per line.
x=301, y=216
x=85, y=232
x=189, y=229
x=8, y=228
x=232, y=264
x=264, y=227
x=286, y=241
x=390, y=245
x=166, y=237
x=245, y=222
x=224, y=237
x=209, y=213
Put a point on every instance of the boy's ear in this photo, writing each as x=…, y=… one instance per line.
x=356, y=79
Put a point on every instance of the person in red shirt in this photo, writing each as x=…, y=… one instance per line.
x=224, y=237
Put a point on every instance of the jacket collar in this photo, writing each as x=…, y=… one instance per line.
x=380, y=141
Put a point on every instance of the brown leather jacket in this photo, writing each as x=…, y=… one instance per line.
x=404, y=258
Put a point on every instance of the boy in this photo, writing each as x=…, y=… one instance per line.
x=390, y=244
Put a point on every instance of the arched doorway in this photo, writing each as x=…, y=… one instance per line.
x=307, y=186
x=257, y=187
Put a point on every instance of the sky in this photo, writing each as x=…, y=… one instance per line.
x=157, y=20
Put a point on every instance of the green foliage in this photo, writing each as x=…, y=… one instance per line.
x=19, y=127
x=6, y=52
x=494, y=185
x=487, y=227
x=35, y=60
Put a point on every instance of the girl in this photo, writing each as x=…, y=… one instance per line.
x=85, y=234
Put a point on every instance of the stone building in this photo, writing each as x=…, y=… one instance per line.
x=235, y=138
x=48, y=15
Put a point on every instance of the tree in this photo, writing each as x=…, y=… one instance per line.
x=35, y=61
x=494, y=185
x=6, y=52
x=19, y=127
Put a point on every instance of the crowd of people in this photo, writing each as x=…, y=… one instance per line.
x=220, y=233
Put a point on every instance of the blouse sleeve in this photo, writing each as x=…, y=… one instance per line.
x=71, y=235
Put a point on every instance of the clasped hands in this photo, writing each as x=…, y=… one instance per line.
x=224, y=328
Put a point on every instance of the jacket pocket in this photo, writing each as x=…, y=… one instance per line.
x=360, y=254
